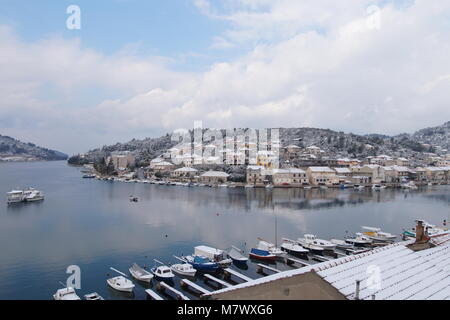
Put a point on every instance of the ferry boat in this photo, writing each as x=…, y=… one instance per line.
x=33, y=196
x=15, y=196
x=27, y=195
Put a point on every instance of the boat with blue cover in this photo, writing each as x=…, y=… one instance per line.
x=202, y=263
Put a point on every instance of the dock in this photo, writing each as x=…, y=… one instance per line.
x=214, y=279
x=291, y=261
x=321, y=258
x=187, y=283
x=162, y=286
x=153, y=294
x=261, y=267
x=228, y=272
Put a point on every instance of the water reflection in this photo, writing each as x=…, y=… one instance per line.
x=94, y=225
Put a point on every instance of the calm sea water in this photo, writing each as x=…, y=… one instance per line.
x=92, y=224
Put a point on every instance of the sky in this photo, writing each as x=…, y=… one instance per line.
x=143, y=68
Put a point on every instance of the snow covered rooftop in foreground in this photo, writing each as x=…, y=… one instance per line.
x=405, y=274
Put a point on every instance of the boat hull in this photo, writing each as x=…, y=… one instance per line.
x=262, y=255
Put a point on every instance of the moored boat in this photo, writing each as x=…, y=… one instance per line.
x=184, y=269
x=359, y=240
x=236, y=255
x=202, y=263
x=377, y=235
x=314, y=244
x=140, y=274
x=93, y=297
x=66, y=294
x=120, y=283
x=294, y=248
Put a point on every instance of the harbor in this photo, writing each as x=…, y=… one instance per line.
x=113, y=232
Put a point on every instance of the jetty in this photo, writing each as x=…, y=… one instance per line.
x=185, y=283
x=162, y=286
x=228, y=272
x=218, y=281
x=153, y=295
x=261, y=268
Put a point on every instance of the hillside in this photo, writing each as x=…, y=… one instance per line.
x=335, y=144
x=15, y=150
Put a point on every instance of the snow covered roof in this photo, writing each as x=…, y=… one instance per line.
x=321, y=169
x=342, y=170
x=405, y=274
x=255, y=168
x=186, y=169
x=218, y=174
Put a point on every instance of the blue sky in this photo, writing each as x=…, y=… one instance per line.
x=143, y=68
x=174, y=28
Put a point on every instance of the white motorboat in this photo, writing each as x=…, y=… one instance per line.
x=377, y=235
x=163, y=273
x=359, y=240
x=184, y=269
x=249, y=186
x=341, y=244
x=66, y=294
x=269, y=186
x=236, y=255
x=294, y=248
x=140, y=274
x=358, y=187
x=15, y=196
x=93, y=297
x=271, y=248
x=378, y=187
x=311, y=242
x=409, y=185
x=33, y=196
x=121, y=283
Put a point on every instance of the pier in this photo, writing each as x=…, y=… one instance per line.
x=162, y=286
x=185, y=283
x=291, y=261
x=228, y=272
x=261, y=268
x=153, y=295
x=218, y=281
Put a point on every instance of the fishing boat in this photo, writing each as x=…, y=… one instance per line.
x=66, y=294
x=266, y=251
x=341, y=244
x=202, y=263
x=93, y=297
x=140, y=274
x=215, y=255
x=162, y=272
x=88, y=176
x=236, y=255
x=294, y=248
x=120, y=283
x=377, y=235
x=183, y=269
x=311, y=242
x=359, y=240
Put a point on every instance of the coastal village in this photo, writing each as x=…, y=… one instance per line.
x=313, y=168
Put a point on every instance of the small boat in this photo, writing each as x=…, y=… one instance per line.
x=202, y=263
x=294, y=248
x=93, y=296
x=311, y=242
x=33, y=196
x=184, y=269
x=120, y=283
x=215, y=255
x=358, y=187
x=162, y=272
x=377, y=235
x=341, y=244
x=265, y=251
x=140, y=274
x=134, y=199
x=359, y=240
x=236, y=255
x=269, y=186
x=66, y=294
x=89, y=176
x=378, y=187
x=249, y=186
x=307, y=187
x=431, y=230
x=323, y=188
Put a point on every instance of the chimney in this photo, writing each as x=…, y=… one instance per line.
x=421, y=233
x=358, y=283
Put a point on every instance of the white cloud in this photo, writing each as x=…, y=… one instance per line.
x=310, y=64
